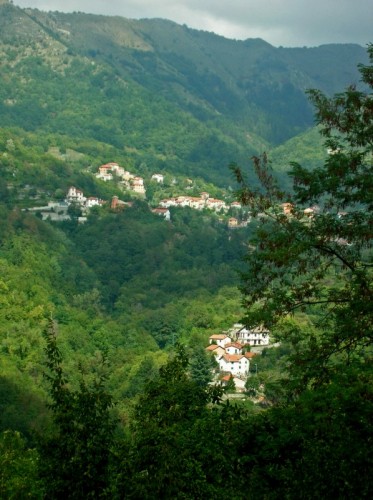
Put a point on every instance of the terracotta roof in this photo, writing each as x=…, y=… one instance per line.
x=233, y=358
x=212, y=347
x=249, y=355
x=220, y=336
x=160, y=210
x=234, y=344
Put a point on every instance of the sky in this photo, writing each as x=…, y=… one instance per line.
x=288, y=23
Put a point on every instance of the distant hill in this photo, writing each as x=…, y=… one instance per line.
x=160, y=94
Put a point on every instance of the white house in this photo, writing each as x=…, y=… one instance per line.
x=163, y=212
x=158, y=178
x=233, y=348
x=232, y=222
x=215, y=204
x=138, y=185
x=92, y=201
x=255, y=336
x=220, y=339
x=105, y=172
x=74, y=195
x=237, y=364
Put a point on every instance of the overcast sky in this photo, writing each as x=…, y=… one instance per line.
x=291, y=23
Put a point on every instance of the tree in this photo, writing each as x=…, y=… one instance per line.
x=201, y=366
x=317, y=261
x=172, y=453
x=74, y=462
x=18, y=468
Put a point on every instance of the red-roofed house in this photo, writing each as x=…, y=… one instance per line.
x=254, y=336
x=250, y=355
x=162, y=211
x=215, y=349
x=237, y=364
x=233, y=348
x=220, y=339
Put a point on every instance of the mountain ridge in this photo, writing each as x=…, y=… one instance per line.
x=186, y=100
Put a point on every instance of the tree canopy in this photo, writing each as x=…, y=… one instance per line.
x=311, y=255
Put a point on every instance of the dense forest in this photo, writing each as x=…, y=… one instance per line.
x=105, y=383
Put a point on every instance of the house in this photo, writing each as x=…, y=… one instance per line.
x=239, y=383
x=250, y=355
x=233, y=348
x=220, y=339
x=92, y=201
x=232, y=222
x=105, y=172
x=215, y=204
x=138, y=185
x=162, y=211
x=216, y=350
x=74, y=195
x=287, y=208
x=117, y=204
x=309, y=212
x=236, y=204
x=253, y=337
x=158, y=178
x=237, y=364
x=168, y=202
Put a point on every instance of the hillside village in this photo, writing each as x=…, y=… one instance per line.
x=234, y=351
x=56, y=211
x=112, y=172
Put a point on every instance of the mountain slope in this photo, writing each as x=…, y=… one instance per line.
x=166, y=97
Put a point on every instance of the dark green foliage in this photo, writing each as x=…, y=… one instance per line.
x=74, y=462
x=146, y=372
x=179, y=444
x=201, y=366
x=18, y=468
x=318, y=447
x=189, y=254
x=318, y=264
x=128, y=284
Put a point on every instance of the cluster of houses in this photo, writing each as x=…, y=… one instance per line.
x=76, y=196
x=198, y=203
x=57, y=211
x=235, y=350
x=111, y=171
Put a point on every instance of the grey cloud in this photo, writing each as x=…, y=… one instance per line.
x=279, y=22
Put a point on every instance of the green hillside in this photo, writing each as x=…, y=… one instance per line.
x=106, y=309
x=165, y=96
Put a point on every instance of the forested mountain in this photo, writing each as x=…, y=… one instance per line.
x=104, y=319
x=162, y=94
